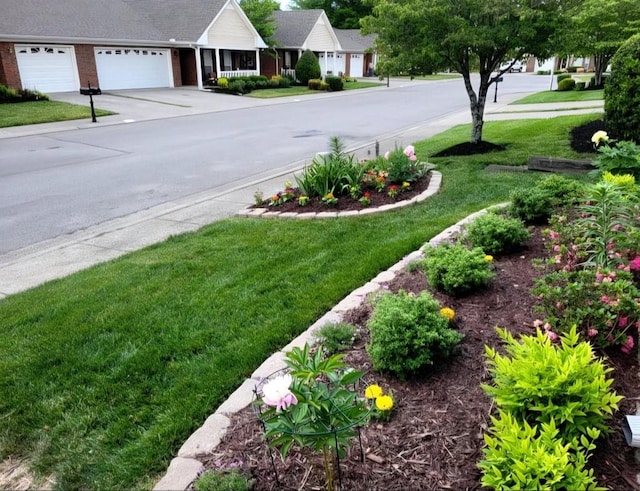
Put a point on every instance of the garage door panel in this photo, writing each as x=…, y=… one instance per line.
x=133, y=68
x=356, y=66
x=47, y=68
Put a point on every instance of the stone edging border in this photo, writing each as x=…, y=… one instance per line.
x=184, y=469
x=432, y=188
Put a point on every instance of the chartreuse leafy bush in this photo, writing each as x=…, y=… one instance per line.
x=521, y=456
x=553, y=403
x=408, y=333
x=539, y=382
x=457, y=270
x=496, y=234
x=538, y=204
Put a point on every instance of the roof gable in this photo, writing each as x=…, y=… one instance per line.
x=353, y=42
x=305, y=29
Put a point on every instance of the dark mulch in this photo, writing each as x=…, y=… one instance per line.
x=581, y=136
x=468, y=148
x=434, y=439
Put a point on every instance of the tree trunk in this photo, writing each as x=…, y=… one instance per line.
x=477, y=103
x=600, y=62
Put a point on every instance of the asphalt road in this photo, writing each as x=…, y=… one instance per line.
x=58, y=183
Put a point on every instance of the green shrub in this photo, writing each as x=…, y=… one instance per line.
x=237, y=86
x=408, y=333
x=543, y=72
x=307, y=67
x=572, y=69
x=541, y=383
x=249, y=85
x=563, y=76
x=621, y=158
x=496, y=234
x=603, y=82
x=324, y=85
x=336, y=337
x=222, y=481
x=622, y=92
x=284, y=82
x=223, y=82
x=12, y=96
x=537, y=204
x=400, y=166
x=580, y=85
x=566, y=84
x=314, y=84
x=457, y=270
x=521, y=456
x=266, y=84
x=335, y=83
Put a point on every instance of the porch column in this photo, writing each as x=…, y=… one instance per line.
x=258, y=60
x=335, y=54
x=199, y=68
x=218, y=75
x=326, y=66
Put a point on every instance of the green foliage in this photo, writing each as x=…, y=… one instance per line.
x=12, y=96
x=401, y=165
x=622, y=157
x=580, y=85
x=335, y=84
x=566, y=84
x=238, y=87
x=223, y=82
x=314, y=84
x=601, y=304
x=457, y=270
x=562, y=76
x=408, y=333
x=522, y=456
x=622, y=92
x=496, y=234
x=307, y=67
x=333, y=173
x=626, y=182
x=343, y=14
x=221, y=481
x=536, y=205
x=540, y=383
x=336, y=337
x=260, y=13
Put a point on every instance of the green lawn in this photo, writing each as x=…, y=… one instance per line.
x=301, y=90
x=37, y=112
x=435, y=76
x=105, y=373
x=565, y=96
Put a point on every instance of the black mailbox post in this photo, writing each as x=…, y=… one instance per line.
x=497, y=80
x=91, y=91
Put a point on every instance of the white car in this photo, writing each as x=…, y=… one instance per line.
x=517, y=66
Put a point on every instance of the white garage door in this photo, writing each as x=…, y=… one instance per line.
x=47, y=68
x=356, y=68
x=335, y=64
x=133, y=68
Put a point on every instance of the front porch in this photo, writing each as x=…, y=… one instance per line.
x=218, y=63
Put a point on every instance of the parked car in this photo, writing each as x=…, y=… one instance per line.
x=517, y=66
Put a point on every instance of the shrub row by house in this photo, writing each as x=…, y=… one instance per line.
x=244, y=85
x=11, y=96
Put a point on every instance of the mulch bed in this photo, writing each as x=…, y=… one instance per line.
x=434, y=438
x=581, y=136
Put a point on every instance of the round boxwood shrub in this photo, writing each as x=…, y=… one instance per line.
x=496, y=234
x=307, y=67
x=622, y=92
x=566, y=84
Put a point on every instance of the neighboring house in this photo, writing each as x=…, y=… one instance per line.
x=359, y=55
x=59, y=45
x=298, y=31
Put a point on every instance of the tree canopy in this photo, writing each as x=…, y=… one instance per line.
x=598, y=28
x=421, y=36
x=260, y=13
x=343, y=14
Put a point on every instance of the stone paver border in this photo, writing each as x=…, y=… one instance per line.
x=432, y=188
x=185, y=468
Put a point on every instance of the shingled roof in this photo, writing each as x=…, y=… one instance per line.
x=353, y=42
x=294, y=26
x=109, y=20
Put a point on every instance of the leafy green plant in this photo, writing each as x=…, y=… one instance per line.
x=627, y=182
x=237, y=87
x=315, y=405
x=601, y=304
x=408, y=333
x=230, y=480
x=523, y=456
x=403, y=166
x=314, y=84
x=335, y=83
x=307, y=67
x=538, y=204
x=621, y=157
x=566, y=84
x=496, y=234
x=457, y=270
x=540, y=383
x=336, y=337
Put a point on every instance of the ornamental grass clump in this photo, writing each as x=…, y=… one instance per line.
x=457, y=270
x=541, y=383
x=496, y=234
x=315, y=405
x=408, y=333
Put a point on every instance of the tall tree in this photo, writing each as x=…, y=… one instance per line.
x=260, y=13
x=463, y=35
x=343, y=14
x=598, y=28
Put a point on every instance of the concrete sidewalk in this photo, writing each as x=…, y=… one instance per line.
x=59, y=257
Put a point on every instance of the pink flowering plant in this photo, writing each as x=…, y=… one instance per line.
x=401, y=165
x=314, y=404
x=603, y=304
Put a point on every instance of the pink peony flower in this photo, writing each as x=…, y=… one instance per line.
x=547, y=326
x=409, y=150
x=623, y=321
x=413, y=158
x=537, y=323
x=552, y=335
x=592, y=332
x=635, y=264
x=276, y=393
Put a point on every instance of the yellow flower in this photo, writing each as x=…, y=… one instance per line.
x=373, y=392
x=488, y=258
x=447, y=313
x=384, y=403
x=405, y=185
x=599, y=136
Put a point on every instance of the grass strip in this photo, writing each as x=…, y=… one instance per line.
x=564, y=96
x=302, y=90
x=36, y=112
x=105, y=373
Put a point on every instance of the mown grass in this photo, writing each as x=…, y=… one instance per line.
x=301, y=90
x=105, y=373
x=435, y=76
x=565, y=96
x=36, y=112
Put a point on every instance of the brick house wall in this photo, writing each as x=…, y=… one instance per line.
x=86, y=62
x=9, y=74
